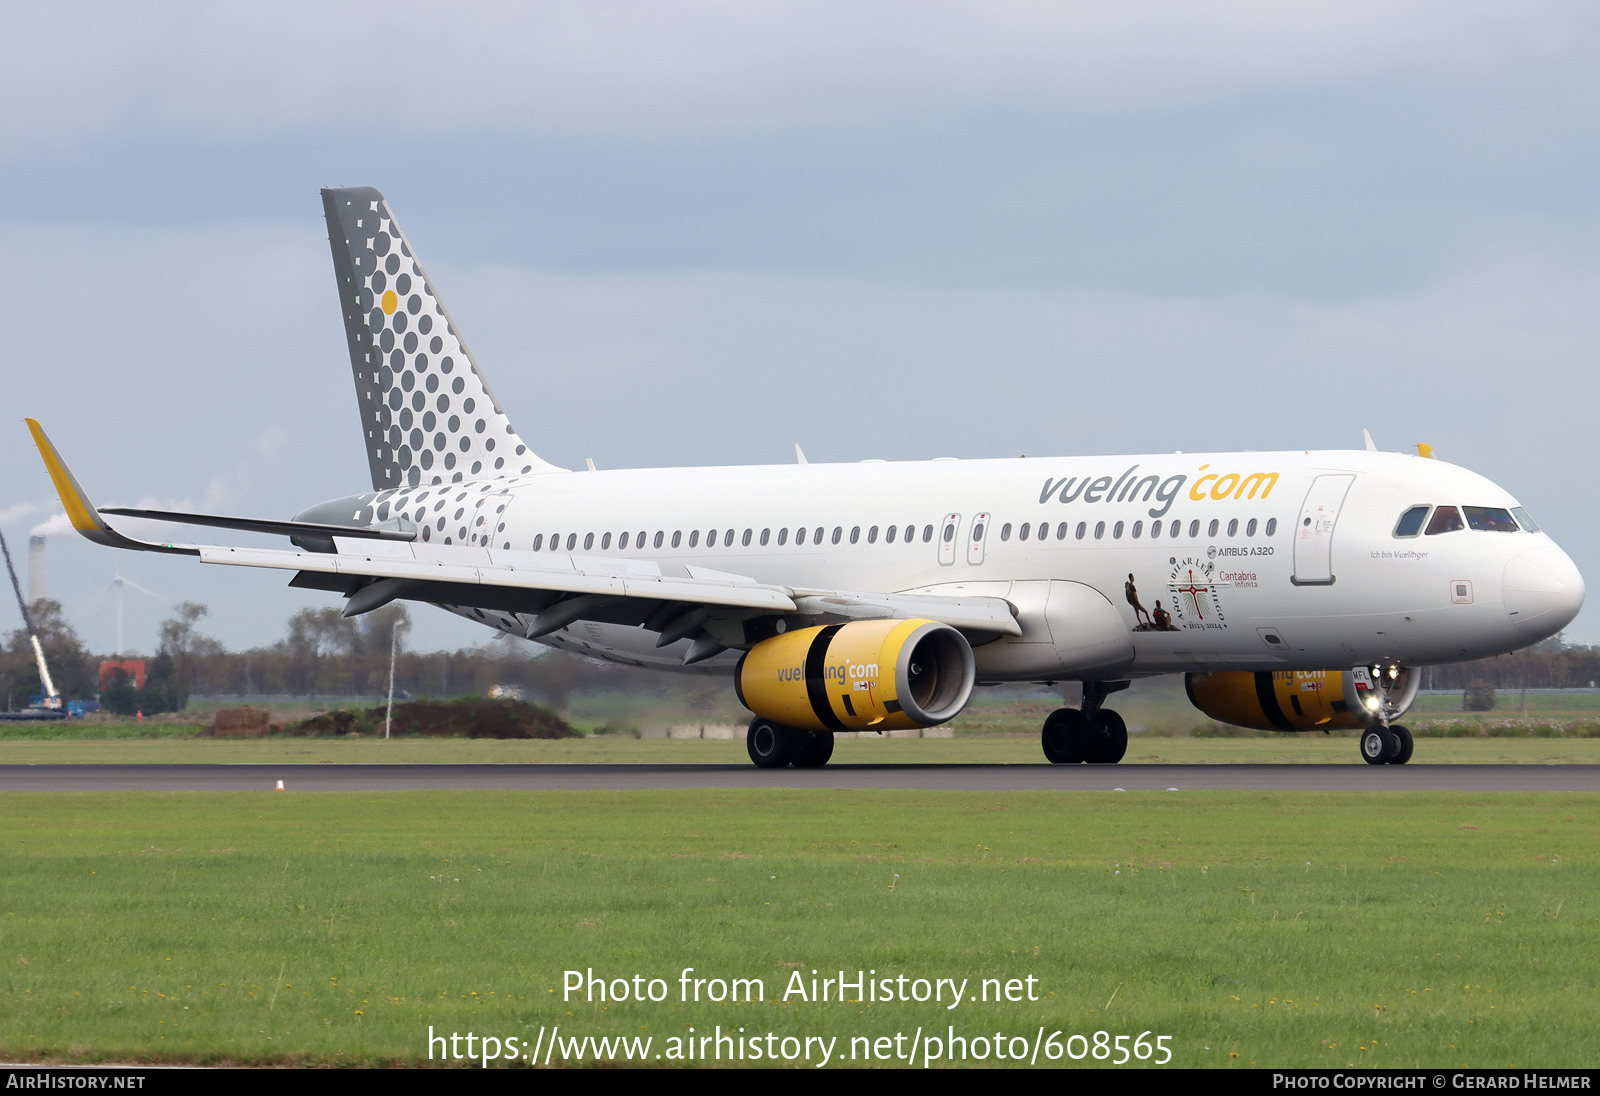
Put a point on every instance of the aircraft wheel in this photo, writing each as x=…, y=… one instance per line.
x=1403, y=736
x=771, y=745
x=1109, y=750
x=1377, y=745
x=1065, y=737
x=814, y=750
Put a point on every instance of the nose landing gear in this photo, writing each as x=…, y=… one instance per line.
x=1092, y=734
x=1389, y=745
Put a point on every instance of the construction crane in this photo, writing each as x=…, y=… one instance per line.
x=49, y=707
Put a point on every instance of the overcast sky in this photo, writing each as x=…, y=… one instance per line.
x=695, y=233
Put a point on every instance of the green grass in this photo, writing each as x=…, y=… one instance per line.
x=1017, y=749
x=1288, y=929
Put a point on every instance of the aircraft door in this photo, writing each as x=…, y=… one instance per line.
x=1313, y=535
x=948, y=529
x=976, y=538
x=488, y=520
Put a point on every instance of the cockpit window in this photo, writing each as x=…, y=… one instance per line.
x=1490, y=519
x=1446, y=519
x=1524, y=520
x=1410, y=523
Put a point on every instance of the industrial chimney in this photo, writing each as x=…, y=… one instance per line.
x=36, y=573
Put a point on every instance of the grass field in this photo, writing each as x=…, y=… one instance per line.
x=1276, y=929
x=995, y=749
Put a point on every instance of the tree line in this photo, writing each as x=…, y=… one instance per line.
x=324, y=654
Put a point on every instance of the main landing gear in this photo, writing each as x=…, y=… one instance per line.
x=1389, y=745
x=1091, y=734
x=775, y=745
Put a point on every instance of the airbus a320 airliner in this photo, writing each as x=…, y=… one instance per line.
x=1297, y=591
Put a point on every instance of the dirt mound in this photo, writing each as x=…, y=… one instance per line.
x=445, y=719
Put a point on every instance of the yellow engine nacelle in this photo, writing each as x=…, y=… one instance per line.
x=868, y=675
x=1304, y=700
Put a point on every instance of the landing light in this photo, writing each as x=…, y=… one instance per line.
x=1372, y=703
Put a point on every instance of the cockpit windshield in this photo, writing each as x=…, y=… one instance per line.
x=1491, y=519
x=1448, y=519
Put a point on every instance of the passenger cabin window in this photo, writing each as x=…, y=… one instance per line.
x=927, y=533
x=1272, y=526
x=888, y=534
x=694, y=538
x=783, y=537
x=872, y=535
x=838, y=533
x=1083, y=529
x=1022, y=532
x=800, y=536
x=588, y=541
x=660, y=535
x=677, y=536
x=538, y=542
x=1099, y=529
x=855, y=534
x=605, y=542
x=1250, y=528
x=766, y=535
x=1446, y=519
x=1211, y=530
x=1233, y=527
x=1138, y=530
x=1005, y=532
x=727, y=538
x=1489, y=519
x=1410, y=523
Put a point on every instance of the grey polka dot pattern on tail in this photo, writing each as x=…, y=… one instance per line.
x=400, y=341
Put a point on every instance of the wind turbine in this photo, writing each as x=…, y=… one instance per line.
x=116, y=586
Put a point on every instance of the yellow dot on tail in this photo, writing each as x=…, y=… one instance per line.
x=390, y=302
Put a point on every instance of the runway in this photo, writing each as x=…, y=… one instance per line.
x=537, y=777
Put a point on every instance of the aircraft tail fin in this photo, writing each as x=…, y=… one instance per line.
x=427, y=414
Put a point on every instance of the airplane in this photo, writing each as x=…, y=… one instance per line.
x=1297, y=591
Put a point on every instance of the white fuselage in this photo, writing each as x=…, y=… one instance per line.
x=1237, y=560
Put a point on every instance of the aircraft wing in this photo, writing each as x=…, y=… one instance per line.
x=546, y=591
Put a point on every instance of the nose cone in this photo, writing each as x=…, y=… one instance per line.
x=1543, y=592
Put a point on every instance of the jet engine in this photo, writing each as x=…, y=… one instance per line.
x=867, y=675
x=1305, y=700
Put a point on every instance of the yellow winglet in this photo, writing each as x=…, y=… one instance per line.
x=80, y=511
